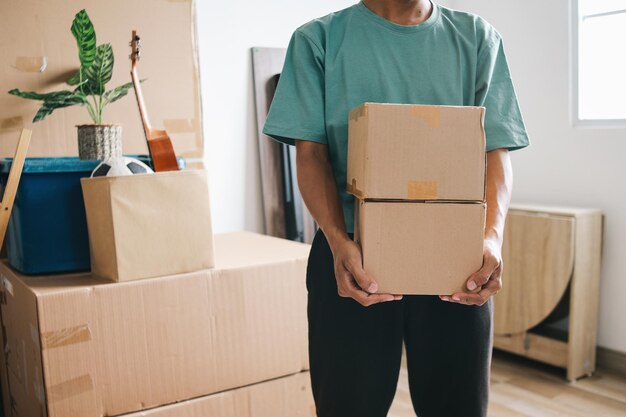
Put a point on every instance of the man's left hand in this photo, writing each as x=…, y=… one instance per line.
x=485, y=282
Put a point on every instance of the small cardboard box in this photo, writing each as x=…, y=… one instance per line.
x=420, y=248
x=81, y=346
x=289, y=396
x=143, y=226
x=416, y=152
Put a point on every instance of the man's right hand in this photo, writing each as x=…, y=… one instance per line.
x=352, y=280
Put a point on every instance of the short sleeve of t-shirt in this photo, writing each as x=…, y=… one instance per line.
x=504, y=126
x=297, y=110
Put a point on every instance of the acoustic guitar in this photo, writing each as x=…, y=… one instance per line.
x=159, y=142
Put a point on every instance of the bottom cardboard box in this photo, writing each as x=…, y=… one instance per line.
x=289, y=396
x=420, y=247
x=81, y=346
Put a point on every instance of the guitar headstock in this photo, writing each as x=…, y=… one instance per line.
x=135, y=54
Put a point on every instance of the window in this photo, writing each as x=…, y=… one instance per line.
x=599, y=61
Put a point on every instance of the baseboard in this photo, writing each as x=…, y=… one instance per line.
x=612, y=360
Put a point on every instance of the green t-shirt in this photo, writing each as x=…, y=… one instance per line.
x=352, y=56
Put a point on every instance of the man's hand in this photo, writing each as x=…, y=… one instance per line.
x=485, y=282
x=352, y=280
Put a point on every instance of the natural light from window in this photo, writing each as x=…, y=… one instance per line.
x=601, y=59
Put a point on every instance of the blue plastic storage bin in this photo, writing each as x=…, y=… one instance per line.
x=47, y=231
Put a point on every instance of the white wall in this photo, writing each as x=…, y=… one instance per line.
x=226, y=32
x=564, y=165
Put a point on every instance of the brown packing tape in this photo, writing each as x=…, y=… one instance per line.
x=64, y=337
x=358, y=112
x=11, y=123
x=353, y=189
x=422, y=190
x=70, y=388
x=431, y=114
x=179, y=125
x=31, y=63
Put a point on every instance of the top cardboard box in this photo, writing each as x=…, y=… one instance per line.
x=416, y=152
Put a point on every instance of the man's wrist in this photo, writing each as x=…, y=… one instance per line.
x=335, y=237
x=493, y=238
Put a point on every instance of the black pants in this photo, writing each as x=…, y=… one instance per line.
x=355, y=351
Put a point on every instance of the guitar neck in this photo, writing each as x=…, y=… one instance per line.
x=142, y=107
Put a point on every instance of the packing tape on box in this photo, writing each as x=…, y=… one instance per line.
x=422, y=190
x=432, y=115
x=11, y=123
x=70, y=388
x=31, y=63
x=179, y=125
x=352, y=189
x=359, y=112
x=64, y=337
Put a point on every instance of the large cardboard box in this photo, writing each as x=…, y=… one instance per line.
x=38, y=53
x=289, y=396
x=420, y=248
x=143, y=226
x=416, y=152
x=81, y=346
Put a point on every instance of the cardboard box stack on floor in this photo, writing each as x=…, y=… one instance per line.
x=418, y=173
x=172, y=337
x=81, y=346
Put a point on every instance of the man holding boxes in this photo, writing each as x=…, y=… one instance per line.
x=393, y=51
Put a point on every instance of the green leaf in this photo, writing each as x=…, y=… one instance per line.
x=31, y=95
x=118, y=92
x=44, y=111
x=85, y=35
x=74, y=79
x=58, y=100
x=100, y=71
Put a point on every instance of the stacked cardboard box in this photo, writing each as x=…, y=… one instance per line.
x=78, y=345
x=418, y=173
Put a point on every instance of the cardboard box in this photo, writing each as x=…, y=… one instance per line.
x=420, y=248
x=290, y=396
x=81, y=346
x=416, y=152
x=38, y=53
x=143, y=226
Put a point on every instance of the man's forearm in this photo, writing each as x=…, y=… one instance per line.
x=499, y=187
x=319, y=191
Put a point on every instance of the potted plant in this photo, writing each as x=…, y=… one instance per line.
x=97, y=140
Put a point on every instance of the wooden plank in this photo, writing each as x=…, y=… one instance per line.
x=541, y=348
x=10, y=190
x=538, y=257
x=583, y=321
x=266, y=63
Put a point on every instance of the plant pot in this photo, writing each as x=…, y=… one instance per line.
x=99, y=141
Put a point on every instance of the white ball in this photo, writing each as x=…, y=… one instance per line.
x=119, y=166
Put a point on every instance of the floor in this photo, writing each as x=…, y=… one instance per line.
x=524, y=388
